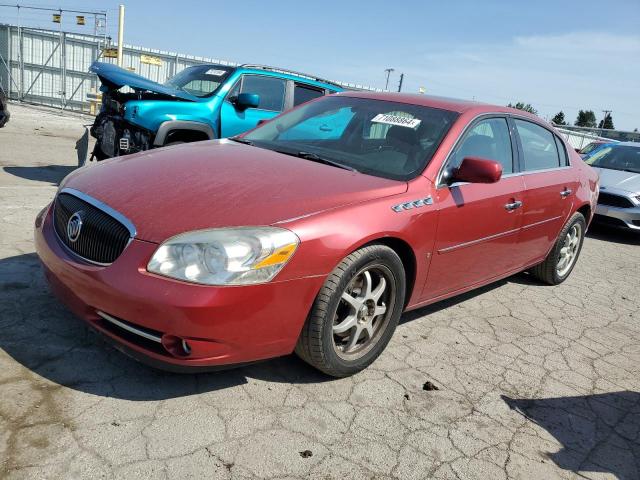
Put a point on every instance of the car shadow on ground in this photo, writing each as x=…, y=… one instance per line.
x=599, y=433
x=52, y=174
x=40, y=334
x=607, y=233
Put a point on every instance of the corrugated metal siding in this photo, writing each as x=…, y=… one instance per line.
x=53, y=68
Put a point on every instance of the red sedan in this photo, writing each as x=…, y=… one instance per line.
x=315, y=231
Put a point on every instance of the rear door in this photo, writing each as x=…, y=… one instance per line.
x=477, y=227
x=272, y=92
x=550, y=185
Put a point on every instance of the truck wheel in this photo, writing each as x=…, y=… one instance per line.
x=355, y=313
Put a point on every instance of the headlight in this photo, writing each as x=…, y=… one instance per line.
x=225, y=256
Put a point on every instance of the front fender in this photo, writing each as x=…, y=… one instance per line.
x=171, y=125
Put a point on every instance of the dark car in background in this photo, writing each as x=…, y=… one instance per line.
x=618, y=165
x=4, y=111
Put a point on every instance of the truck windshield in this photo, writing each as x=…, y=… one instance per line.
x=200, y=80
x=382, y=138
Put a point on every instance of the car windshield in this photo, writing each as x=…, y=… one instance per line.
x=590, y=148
x=616, y=157
x=201, y=80
x=382, y=138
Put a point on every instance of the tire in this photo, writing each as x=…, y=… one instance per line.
x=341, y=354
x=549, y=271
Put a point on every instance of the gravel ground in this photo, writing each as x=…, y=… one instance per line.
x=525, y=380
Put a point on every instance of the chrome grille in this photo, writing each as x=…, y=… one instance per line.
x=614, y=200
x=102, y=237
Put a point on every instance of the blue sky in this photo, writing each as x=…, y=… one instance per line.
x=554, y=54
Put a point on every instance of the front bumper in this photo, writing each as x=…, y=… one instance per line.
x=221, y=325
x=629, y=217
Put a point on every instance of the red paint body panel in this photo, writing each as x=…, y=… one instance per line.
x=226, y=183
x=241, y=323
x=464, y=239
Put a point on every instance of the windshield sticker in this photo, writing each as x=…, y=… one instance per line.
x=396, y=120
x=217, y=73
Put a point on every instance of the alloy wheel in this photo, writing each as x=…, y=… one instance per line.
x=569, y=250
x=363, y=312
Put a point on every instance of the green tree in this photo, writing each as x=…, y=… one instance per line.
x=606, y=123
x=527, y=107
x=586, y=118
x=558, y=119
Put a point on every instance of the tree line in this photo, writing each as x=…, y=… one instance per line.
x=585, y=118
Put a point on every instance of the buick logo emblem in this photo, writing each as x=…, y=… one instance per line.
x=74, y=226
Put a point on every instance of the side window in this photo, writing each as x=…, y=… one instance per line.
x=488, y=139
x=270, y=89
x=538, y=146
x=564, y=157
x=304, y=93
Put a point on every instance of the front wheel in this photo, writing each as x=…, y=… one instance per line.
x=355, y=313
x=563, y=256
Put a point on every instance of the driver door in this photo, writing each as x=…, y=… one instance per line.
x=235, y=120
x=478, y=227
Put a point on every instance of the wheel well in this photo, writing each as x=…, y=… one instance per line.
x=585, y=210
x=185, y=136
x=405, y=252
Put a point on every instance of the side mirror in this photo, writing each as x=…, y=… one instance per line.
x=246, y=100
x=477, y=170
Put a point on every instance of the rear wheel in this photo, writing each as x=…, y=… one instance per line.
x=563, y=256
x=355, y=313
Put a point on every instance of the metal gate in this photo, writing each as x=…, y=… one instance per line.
x=51, y=68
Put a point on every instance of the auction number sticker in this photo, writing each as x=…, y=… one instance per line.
x=217, y=73
x=396, y=120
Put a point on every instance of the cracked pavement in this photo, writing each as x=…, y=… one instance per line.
x=533, y=381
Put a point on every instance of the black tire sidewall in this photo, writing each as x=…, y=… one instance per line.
x=376, y=255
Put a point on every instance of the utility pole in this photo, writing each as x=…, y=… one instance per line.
x=120, y=33
x=400, y=84
x=388, y=70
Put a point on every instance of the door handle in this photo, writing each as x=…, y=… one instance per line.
x=513, y=206
x=565, y=193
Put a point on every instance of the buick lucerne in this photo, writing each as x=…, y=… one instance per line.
x=315, y=231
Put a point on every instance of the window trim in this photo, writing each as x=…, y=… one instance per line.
x=472, y=124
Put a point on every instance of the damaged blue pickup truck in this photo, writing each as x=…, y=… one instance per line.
x=199, y=103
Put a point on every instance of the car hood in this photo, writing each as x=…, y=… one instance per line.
x=114, y=77
x=220, y=183
x=628, y=181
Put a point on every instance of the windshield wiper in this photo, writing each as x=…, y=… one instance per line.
x=241, y=140
x=316, y=158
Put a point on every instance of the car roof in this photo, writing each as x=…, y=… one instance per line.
x=444, y=103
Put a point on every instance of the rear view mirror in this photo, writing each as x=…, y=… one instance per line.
x=247, y=100
x=477, y=170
